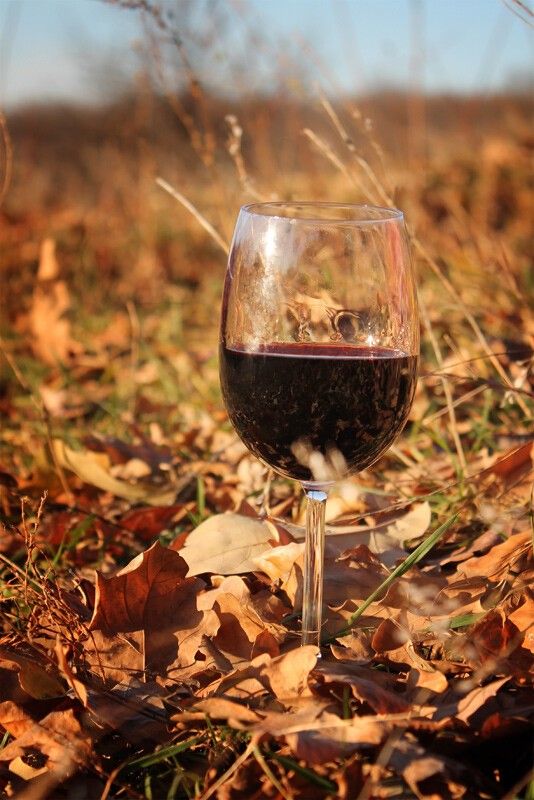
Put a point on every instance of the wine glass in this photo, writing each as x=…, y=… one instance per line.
x=318, y=350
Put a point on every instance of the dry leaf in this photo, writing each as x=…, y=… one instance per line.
x=135, y=710
x=115, y=658
x=226, y=544
x=51, y=335
x=87, y=465
x=496, y=564
x=232, y=712
x=33, y=678
x=364, y=684
x=321, y=744
x=152, y=594
x=285, y=676
x=143, y=593
x=14, y=719
x=59, y=737
x=411, y=525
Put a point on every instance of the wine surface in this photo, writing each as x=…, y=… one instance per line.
x=317, y=412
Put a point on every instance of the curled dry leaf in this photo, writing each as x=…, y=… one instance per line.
x=494, y=645
x=88, y=467
x=59, y=737
x=523, y=619
x=14, y=719
x=249, y=624
x=411, y=525
x=33, y=678
x=234, y=713
x=365, y=686
x=330, y=737
x=226, y=544
x=51, y=332
x=496, y=564
x=285, y=676
x=430, y=777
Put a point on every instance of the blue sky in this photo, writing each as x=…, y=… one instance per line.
x=52, y=49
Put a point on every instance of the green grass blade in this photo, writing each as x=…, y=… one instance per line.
x=419, y=553
x=309, y=774
x=165, y=752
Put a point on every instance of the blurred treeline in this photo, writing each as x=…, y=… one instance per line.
x=85, y=176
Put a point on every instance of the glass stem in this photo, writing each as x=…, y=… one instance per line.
x=312, y=594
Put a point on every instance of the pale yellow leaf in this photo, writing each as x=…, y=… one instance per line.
x=226, y=544
x=85, y=464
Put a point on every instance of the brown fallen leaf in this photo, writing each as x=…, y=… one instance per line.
x=461, y=704
x=496, y=564
x=152, y=594
x=115, y=658
x=136, y=597
x=330, y=737
x=232, y=712
x=148, y=523
x=51, y=331
x=476, y=698
x=354, y=647
x=136, y=710
x=350, y=576
x=249, y=624
x=430, y=777
x=59, y=737
x=509, y=467
x=286, y=676
x=14, y=719
x=365, y=686
x=33, y=678
x=494, y=645
x=523, y=619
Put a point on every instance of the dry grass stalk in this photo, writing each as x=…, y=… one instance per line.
x=196, y=214
x=327, y=151
x=6, y=157
x=234, y=149
x=446, y=386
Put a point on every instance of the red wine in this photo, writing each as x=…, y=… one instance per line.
x=317, y=411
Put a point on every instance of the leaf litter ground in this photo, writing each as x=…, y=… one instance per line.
x=152, y=581
x=174, y=669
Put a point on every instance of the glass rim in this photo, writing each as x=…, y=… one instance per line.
x=383, y=213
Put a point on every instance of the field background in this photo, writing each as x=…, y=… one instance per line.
x=114, y=436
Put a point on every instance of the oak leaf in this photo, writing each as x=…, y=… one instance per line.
x=151, y=594
x=151, y=586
